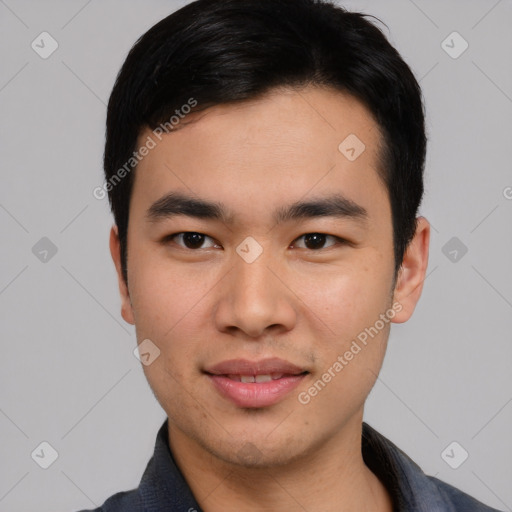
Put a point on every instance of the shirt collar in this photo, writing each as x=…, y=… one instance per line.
x=409, y=487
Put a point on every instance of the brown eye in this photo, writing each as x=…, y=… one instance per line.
x=316, y=241
x=192, y=240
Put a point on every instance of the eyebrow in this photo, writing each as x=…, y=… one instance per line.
x=177, y=203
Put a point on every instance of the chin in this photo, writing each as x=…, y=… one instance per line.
x=260, y=456
x=256, y=449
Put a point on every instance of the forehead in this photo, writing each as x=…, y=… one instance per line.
x=276, y=148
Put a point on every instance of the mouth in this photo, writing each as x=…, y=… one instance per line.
x=255, y=384
x=257, y=378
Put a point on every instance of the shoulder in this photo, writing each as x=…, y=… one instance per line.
x=460, y=501
x=410, y=487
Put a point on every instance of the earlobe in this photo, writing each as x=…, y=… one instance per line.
x=115, y=251
x=412, y=272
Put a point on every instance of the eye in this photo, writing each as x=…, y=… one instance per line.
x=191, y=240
x=316, y=241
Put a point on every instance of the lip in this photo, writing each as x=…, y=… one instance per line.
x=255, y=394
x=262, y=367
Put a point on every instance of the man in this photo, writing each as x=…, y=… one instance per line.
x=264, y=162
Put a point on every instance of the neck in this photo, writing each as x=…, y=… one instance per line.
x=332, y=478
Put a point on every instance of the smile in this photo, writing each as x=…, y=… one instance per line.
x=255, y=384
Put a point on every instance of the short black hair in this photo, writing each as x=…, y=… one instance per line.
x=224, y=51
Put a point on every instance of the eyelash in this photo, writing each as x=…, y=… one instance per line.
x=338, y=240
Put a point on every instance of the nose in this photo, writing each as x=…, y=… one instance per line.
x=254, y=301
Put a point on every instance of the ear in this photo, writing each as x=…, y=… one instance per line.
x=115, y=251
x=412, y=272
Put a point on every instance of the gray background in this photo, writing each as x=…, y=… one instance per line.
x=68, y=374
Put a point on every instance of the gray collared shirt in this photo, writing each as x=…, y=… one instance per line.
x=163, y=487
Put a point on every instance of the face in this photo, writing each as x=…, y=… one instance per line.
x=260, y=265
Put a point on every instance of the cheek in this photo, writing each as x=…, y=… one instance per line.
x=170, y=310
x=163, y=295
x=347, y=299
x=349, y=302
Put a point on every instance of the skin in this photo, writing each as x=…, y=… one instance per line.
x=206, y=305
